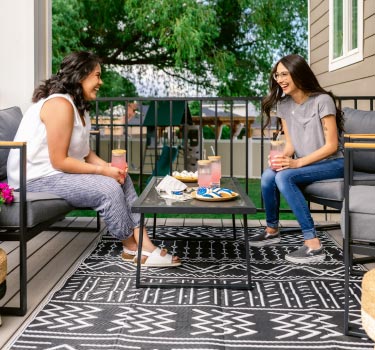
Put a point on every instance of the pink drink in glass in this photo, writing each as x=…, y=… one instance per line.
x=204, y=180
x=277, y=149
x=204, y=173
x=215, y=170
x=119, y=159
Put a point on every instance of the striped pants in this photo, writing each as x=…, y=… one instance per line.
x=104, y=194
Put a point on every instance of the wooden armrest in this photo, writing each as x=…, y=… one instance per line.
x=360, y=136
x=12, y=143
x=359, y=145
x=94, y=132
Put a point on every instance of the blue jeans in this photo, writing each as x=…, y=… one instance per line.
x=288, y=183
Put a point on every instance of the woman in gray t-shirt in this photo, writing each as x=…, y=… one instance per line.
x=312, y=125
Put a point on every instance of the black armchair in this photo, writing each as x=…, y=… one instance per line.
x=357, y=220
x=31, y=212
x=330, y=193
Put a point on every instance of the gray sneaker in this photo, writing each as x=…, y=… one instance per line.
x=264, y=238
x=306, y=255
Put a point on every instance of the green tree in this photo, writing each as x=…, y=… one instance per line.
x=228, y=46
x=69, y=38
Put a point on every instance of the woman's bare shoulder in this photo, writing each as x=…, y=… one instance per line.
x=57, y=105
x=59, y=101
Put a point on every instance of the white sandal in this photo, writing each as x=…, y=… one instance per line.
x=155, y=259
x=128, y=255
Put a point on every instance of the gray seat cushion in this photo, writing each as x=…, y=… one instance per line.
x=362, y=213
x=10, y=119
x=356, y=122
x=40, y=207
x=333, y=189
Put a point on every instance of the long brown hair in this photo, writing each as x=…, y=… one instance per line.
x=73, y=69
x=305, y=80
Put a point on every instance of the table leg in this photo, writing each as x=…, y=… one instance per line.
x=154, y=228
x=247, y=252
x=139, y=256
x=234, y=226
x=138, y=284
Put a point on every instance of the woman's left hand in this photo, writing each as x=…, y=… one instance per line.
x=287, y=163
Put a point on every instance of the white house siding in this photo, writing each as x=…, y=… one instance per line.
x=355, y=80
x=25, y=49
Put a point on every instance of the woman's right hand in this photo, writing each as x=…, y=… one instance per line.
x=116, y=173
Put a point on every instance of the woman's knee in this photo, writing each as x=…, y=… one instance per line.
x=268, y=177
x=283, y=180
x=110, y=189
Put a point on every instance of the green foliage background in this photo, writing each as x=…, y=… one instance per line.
x=226, y=46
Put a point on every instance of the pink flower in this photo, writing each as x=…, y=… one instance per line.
x=6, y=194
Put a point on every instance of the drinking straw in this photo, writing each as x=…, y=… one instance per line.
x=213, y=150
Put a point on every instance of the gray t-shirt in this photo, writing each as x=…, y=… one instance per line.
x=304, y=123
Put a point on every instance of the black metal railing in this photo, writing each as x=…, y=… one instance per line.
x=160, y=113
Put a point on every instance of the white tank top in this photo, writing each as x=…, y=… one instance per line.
x=33, y=131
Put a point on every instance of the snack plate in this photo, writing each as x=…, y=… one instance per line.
x=186, y=178
x=217, y=199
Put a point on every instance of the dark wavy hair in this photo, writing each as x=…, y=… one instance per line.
x=73, y=69
x=304, y=78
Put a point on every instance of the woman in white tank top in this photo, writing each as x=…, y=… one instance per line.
x=59, y=160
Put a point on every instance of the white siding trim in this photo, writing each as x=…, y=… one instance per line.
x=349, y=57
x=309, y=31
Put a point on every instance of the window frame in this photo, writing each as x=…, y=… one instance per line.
x=349, y=56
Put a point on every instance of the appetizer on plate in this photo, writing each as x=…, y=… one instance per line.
x=186, y=176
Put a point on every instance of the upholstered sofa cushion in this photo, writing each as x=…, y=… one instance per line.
x=10, y=118
x=361, y=122
x=333, y=189
x=362, y=213
x=41, y=207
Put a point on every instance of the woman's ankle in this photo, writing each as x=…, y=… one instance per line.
x=313, y=243
x=272, y=230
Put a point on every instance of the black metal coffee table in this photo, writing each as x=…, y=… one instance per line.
x=150, y=202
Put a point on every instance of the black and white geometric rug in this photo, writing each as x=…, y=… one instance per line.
x=290, y=306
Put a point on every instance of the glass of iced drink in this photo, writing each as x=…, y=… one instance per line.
x=215, y=170
x=204, y=173
x=119, y=159
x=277, y=149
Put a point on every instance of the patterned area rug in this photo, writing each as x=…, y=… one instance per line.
x=290, y=306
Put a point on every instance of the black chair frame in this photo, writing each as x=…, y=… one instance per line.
x=352, y=246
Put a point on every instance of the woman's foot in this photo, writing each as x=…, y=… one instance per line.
x=148, y=247
x=128, y=254
x=306, y=255
x=313, y=243
x=158, y=258
x=267, y=237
